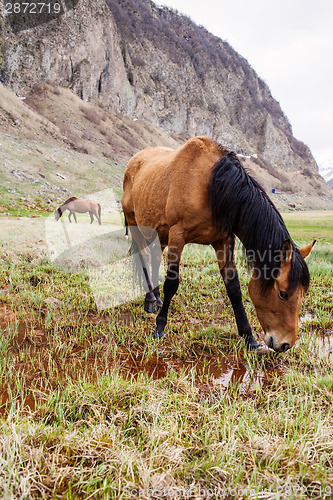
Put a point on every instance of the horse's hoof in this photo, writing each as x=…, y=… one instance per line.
x=252, y=344
x=159, y=303
x=151, y=307
x=158, y=335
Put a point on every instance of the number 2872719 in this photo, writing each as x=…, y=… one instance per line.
x=47, y=7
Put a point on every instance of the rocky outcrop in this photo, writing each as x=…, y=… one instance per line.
x=79, y=49
x=148, y=62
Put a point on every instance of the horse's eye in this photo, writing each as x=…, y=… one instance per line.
x=283, y=295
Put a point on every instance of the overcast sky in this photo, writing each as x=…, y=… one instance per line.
x=289, y=43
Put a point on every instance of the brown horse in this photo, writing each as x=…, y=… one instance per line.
x=200, y=193
x=80, y=206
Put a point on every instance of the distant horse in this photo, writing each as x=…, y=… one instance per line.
x=79, y=206
x=200, y=193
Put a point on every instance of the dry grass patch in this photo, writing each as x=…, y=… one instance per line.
x=77, y=422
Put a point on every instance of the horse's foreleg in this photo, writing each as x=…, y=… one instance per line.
x=69, y=217
x=225, y=257
x=74, y=217
x=175, y=247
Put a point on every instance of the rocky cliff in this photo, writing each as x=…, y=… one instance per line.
x=152, y=64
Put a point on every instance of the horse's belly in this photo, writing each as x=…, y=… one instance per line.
x=79, y=207
x=150, y=203
x=203, y=233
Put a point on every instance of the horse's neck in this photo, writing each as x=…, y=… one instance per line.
x=259, y=246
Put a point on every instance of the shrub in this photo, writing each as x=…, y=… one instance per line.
x=91, y=114
x=103, y=130
x=213, y=107
x=138, y=62
x=147, y=90
x=307, y=172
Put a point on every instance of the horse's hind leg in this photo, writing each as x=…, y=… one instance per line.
x=175, y=247
x=145, y=259
x=91, y=217
x=156, y=258
x=97, y=214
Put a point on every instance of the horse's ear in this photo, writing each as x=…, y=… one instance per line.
x=306, y=251
x=286, y=253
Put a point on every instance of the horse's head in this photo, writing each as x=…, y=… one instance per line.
x=57, y=214
x=277, y=306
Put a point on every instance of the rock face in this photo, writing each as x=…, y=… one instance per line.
x=79, y=49
x=148, y=62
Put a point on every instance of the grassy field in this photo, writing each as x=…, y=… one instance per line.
x=92, y=407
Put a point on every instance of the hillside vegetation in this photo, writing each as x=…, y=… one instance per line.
x=53, y=132
x=156, y=67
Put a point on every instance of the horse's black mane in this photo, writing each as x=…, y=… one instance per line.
x=69, y=200
x=241, y=206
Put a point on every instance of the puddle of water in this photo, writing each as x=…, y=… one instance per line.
x=306, y=318
x=209, y=371
x=319, y=342
x=322, y=343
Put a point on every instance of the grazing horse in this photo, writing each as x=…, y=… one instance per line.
x=200, y=193
x=80, y=206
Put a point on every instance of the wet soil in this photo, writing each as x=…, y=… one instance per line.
x=208, y=372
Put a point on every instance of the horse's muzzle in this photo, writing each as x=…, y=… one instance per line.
x=284, y=347
x=281, y=348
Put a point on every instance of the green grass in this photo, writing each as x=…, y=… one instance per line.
x=306, y=226
x=24, y=190
x=85, y=414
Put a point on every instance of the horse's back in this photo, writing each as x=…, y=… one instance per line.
x=168, y=160
x=163, y=185
x=80, y=205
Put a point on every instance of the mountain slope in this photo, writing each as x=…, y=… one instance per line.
x=53, y=145
x=149, y=63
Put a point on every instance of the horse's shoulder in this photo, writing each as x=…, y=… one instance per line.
x=200, y=145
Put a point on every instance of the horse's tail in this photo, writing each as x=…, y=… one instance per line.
x=136, y=264
x=126, y=226
x=99, y=212
x=136, y=261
